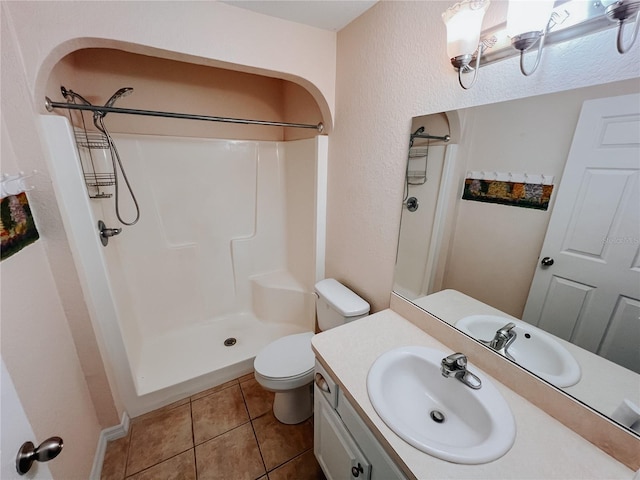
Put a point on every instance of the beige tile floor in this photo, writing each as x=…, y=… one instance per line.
x=227, y=433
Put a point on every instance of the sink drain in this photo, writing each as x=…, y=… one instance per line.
x=437, y=416
x=230, y=342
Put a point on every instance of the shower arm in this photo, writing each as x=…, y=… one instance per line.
x=51, y=105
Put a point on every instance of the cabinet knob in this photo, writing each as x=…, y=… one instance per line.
x=322, y=383
x=356, y=471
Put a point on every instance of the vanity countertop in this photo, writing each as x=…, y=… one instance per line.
x=543, y=449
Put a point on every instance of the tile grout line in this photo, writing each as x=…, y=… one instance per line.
x=156, y=464
x=291, y=459
x=254, y=432
x=126, y=457
x=193, y=438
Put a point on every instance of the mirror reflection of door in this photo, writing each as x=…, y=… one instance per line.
x=589, y=293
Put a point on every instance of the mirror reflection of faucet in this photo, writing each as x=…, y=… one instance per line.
x=627, y=414
x=502, y=340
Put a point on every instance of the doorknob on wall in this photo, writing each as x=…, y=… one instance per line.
x=47, y=450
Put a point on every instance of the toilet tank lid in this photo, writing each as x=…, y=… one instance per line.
x=341, y=298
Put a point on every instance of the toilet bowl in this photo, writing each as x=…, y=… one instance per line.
x=286, y=365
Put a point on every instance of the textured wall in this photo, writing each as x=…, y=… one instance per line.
x=392, y=66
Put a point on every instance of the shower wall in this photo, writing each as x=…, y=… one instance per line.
x=416, y=227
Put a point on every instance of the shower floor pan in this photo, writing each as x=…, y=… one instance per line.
x=181, y=355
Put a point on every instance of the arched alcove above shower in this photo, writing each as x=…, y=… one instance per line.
x=169, y=85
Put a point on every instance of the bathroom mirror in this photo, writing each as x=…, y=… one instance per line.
x=460, y=256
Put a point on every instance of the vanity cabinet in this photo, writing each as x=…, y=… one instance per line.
x=343, y=445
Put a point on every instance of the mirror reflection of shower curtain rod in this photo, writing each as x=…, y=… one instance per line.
x=445, y=138
x=50, y=105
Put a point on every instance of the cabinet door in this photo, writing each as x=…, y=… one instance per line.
x=382, y=467
x=337, y=453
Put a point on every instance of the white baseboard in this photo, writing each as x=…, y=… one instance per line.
x=107, y=435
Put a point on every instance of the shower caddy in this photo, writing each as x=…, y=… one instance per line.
x=418, y=176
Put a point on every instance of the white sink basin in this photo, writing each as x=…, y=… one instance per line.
x=405, y=386
x=533, y=349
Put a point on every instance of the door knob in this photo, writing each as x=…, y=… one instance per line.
x=547, y=262
x=28, y=453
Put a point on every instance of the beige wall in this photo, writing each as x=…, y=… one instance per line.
x=392, y=66
x=174, y=86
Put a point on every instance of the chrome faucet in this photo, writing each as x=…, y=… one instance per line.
x=502, y=340
x=455, y=365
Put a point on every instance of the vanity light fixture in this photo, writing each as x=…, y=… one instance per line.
x=464, y=22
x=620, y=11
x=530, y=23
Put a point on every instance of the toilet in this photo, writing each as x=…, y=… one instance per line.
x=285, y=366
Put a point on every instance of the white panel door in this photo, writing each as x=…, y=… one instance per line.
x=590, y=294
x=15, y=430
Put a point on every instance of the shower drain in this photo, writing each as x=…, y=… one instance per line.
x=230, y=342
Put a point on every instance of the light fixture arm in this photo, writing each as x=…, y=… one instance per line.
x=466, y=68
x=525, y=41
x=622, y=49
x=540, y=43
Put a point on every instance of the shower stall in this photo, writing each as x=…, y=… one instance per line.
x=221, y=262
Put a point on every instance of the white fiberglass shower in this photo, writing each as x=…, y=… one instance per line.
x=228, y=246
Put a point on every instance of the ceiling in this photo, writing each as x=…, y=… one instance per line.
x=325, y=14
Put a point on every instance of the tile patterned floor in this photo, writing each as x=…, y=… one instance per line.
x=227, y=432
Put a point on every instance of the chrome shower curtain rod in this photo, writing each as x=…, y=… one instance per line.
x=50, y=105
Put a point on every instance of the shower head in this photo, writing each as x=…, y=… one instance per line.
x=123, y=92
x=70, y=96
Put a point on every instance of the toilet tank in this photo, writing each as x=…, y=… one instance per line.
x=337, y=304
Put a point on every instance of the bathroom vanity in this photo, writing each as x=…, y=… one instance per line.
x=350, y=437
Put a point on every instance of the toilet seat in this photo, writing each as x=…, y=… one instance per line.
x=288, y=358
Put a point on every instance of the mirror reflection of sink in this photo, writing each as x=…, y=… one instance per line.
x=437, y=415
x=533, y=349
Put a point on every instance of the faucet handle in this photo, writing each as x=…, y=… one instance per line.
x=458, y=360
x=507, y=328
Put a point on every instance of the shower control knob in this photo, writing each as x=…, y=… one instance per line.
x=412, y=204
x=106, y=233
x=547, y=262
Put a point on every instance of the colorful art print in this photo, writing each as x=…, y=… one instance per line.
x=17, y=229
x=527, y=195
